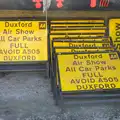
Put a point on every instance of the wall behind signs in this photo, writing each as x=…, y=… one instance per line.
x=68, y=5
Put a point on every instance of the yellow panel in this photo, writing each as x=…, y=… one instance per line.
x=84, y=37
x=114, y=29
x=90, y=71
x=78, y=21
x=78, y=25
x=78, y=28
x=67, y=50
x=23, y=41
x=64, y=50
x=79, y=44
x=78, y=31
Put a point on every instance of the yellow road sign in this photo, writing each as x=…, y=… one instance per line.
x=99, y=37
x=78, y=37
x=64, y=50
x=54, y=26
x=80, y=27
x=89, y=71
x=90, y=31
x=79, y=21
x=23, y=41
x=80, y=44
x=114, y=29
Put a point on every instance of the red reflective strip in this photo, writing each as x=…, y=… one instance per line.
x=104, y=3
x=37, y=0
x=108, y=3
x=59, y=3
x=38, y=5
x=93, y=3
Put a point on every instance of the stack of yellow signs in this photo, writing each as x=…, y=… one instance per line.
x=78, y=45
x=88, y=33
x=78, y=35
x=79, y=52
x=80, y=29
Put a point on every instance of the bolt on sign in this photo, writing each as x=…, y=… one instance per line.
x=88, y=71
x=114, y=31
x=23, y=41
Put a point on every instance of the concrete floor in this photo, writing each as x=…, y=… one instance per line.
x=27, y=96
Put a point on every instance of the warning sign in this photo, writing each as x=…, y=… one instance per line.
x=23, y=41
x=93, y=71
x=114, y=29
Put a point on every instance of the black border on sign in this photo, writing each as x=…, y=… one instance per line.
x=56, y=86
x=82, y=91
x=26, y=19
x=53, y=78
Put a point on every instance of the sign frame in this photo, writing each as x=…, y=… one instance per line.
x=54, y=53
x=43, y=65
x=53, y=66
x=82, y=97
